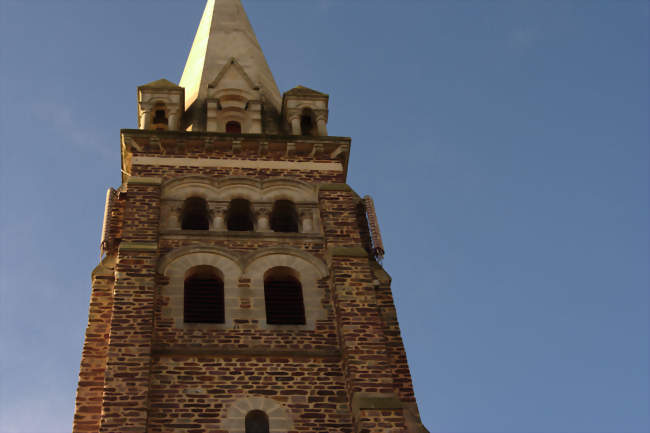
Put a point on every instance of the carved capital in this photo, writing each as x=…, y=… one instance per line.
x=217, y=210
x=146, y=106
x=262, y=212
x=321, y=115
x=293, y=113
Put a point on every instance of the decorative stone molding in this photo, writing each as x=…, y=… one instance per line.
x=175, y=289
x=234, y=267
x=263, y=214
x=306, y=219
x=235, y=415
x=218, y=214
x=219, y=192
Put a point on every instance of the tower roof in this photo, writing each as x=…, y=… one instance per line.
x=160, y=84
x=223, y=34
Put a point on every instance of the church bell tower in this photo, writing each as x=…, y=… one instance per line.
x=240, y=289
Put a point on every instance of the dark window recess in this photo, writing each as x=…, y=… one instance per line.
x=306, y=125
x=233, y=127
x=195, y=214
x=284, y=304
x=204, y=300
x=284, y=217
x=257, y=422
x=240, y=217
x=159, y=117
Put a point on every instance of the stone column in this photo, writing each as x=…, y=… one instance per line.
x=307, y=219
x=211, y=115
x=145, y=119
x=263, y=214
x=172, y=120
x=293, y=116
x=218, y=214
x=321, y=122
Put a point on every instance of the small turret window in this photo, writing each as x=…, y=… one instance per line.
x=257, y=422
x=233, y=127
x=283, y=297
x=284, y=217
x=307, y=124
x=204, y=297
x=160, y=121
x=195, y=214
x=240, y=216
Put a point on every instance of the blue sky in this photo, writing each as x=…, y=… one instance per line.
x=505, y=143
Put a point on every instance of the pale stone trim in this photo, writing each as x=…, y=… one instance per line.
x=235, y=414
x=308, y=267
x=139, y=246
x=237, y=163
x=176, y=269
x=228, y=187
x=309, y=272
x=218, y=192
x=140, y=180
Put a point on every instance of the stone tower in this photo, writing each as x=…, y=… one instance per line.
x=239, y=288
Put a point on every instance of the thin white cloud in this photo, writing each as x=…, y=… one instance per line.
x=62, y=119
x=524, y=37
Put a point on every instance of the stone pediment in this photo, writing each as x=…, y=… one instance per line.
x=233, y=76
x=302, y=91
x=161, y=84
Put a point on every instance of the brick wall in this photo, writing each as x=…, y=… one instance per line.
x=142, y=373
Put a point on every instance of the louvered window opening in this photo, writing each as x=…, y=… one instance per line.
x=284, y=302
x=284, y=218
x=257, y=422
x=195, y=215
x=240, y=218
x=204, y=300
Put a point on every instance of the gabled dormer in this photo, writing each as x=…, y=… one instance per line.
x=305, y=112
x=160, y=105
x=234, y=102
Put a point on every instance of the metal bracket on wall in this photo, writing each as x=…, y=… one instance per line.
x=375, y=234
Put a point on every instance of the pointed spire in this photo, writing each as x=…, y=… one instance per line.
x=225, y=33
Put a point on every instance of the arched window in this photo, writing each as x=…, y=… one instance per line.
x=195, y=214
x=283, y=297
x=160, y=121
x=307, y=123
x=240, y=217
x=257, y=422
x=233, y=127
x=284, y=217
x=203, y=298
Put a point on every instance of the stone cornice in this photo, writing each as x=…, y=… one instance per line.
x=197, y=145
